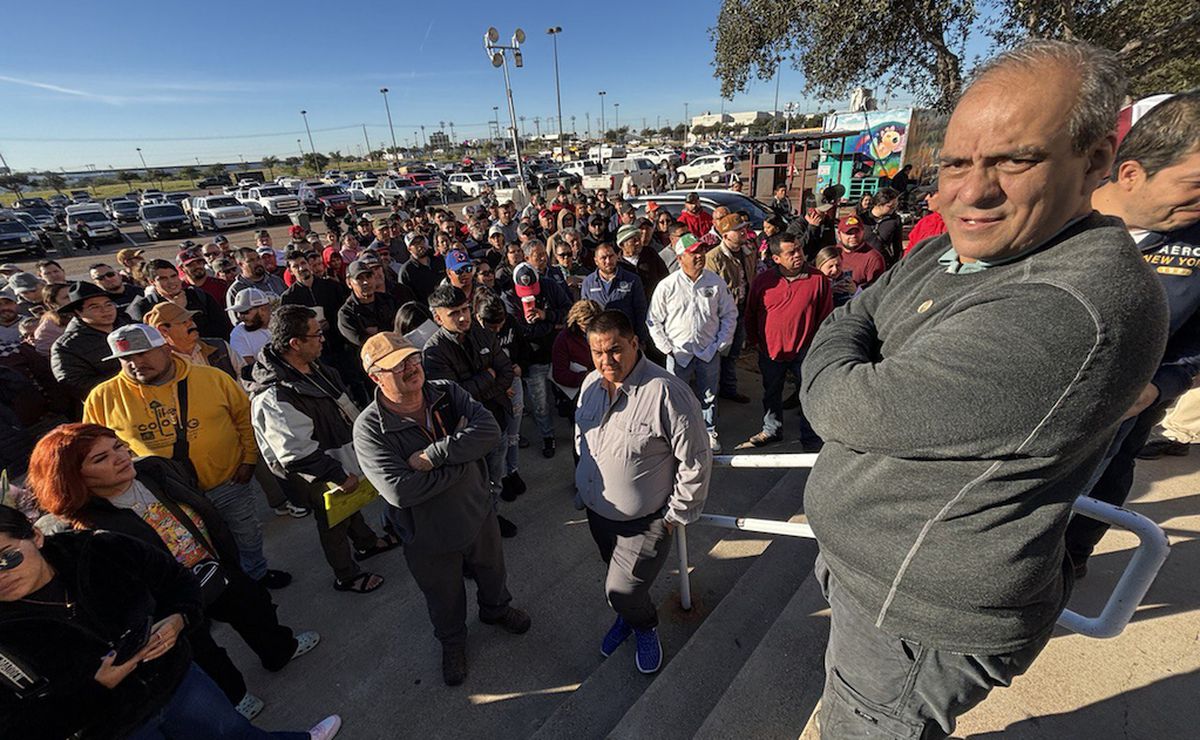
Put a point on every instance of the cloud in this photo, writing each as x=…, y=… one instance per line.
x=169, y=96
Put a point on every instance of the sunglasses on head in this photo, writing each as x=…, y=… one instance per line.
x=10, y=559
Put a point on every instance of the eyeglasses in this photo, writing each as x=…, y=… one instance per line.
x=465, y=270
x=563, y=254
x=408, y=364
x=107, y=275
x=11, y=559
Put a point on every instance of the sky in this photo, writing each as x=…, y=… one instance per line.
x=220, y=80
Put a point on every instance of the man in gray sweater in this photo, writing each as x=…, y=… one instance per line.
x=423, y=445
x=967, y=395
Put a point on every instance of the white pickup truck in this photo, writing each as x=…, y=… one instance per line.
x=612, y=174
x=269, y=201
x=215, y=212
x=388, y=190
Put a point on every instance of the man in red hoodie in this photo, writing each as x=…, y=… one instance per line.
x=695, y=217
x=785, y=306
x=931, y=224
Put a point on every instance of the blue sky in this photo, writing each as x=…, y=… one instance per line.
x=217, y=79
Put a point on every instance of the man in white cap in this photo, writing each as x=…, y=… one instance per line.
x=163, y=405
x=252, y=308
x=10, y=320
x=691, y=320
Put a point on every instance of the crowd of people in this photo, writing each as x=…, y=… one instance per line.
x=157, y=400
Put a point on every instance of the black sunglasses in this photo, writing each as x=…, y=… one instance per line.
x=106, y=275
x=11, y=559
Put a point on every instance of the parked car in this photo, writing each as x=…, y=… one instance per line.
x=93, y=224
x=43, y=214
x=80, y=196
x=178, y=197
x=580, y=167
x=547, y=176
x=612, y=175
x=361, y=191
x=26, y=203
x=315, y=198
x=661, y=157
x=213, y=182
x=710, y=168
x=400, y=188
x=273, y=201
x=16, y=238
x=120, y=210
x=470, y=184
x=673, y=201
x=77, y=208
x=504, y=176
x=165, y=219
x=35, y=228
x=214, y=212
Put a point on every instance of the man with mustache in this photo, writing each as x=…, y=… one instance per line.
x=253, y=274
x=179, y=330
x=252, y=307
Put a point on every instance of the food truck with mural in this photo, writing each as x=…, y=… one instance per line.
x=881, y=144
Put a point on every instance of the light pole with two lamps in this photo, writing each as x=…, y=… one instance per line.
x=496, y=53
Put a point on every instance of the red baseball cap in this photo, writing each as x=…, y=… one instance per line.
x=850, y=224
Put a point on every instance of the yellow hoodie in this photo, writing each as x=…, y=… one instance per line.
x=220, y=436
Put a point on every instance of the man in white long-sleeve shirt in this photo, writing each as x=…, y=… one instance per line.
x=691, y=320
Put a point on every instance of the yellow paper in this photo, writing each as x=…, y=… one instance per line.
x=339, y=506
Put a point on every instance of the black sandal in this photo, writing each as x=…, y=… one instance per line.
x=391, y=540
x=358, y=584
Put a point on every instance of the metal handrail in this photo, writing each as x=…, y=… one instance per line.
x=1135, y=580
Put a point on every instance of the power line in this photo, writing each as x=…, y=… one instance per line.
x=211, y=137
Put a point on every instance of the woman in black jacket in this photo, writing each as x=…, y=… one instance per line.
x=92, y=640
x=83, y=475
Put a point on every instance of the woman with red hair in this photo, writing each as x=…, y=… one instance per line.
x=83, y=475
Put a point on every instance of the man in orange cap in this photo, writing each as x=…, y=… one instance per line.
x=862, y=261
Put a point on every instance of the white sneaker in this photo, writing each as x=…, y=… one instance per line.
x=249, y=706
x=290, y=509
x=326, y=728
x=714, y=443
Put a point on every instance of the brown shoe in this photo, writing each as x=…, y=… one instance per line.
x=762, y=439
x=454, y=664
x=513, y=621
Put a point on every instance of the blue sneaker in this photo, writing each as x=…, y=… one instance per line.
x=617, y=634
x=649, y=651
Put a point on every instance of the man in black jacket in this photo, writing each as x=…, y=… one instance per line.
x=166, y=286
x=885, y=232
x=470, y=355
x=369, y=309
x=78, y=357
x=424, y=270
x=303, y=421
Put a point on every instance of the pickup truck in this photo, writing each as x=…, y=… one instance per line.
x=221, y=212
x=270, y=201
x=660, y=157
x=388, y=190
x=316, y=198
x=612, y=175
x=361, y=191
x=504, y=175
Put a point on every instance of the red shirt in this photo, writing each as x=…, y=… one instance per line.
x=697, y=221
x=215, y=287
x=864, y=265
x=783, y=315
x=930, y=225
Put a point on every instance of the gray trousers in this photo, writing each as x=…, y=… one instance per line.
x=881, y=686
x=634, y=551
x=439, y=575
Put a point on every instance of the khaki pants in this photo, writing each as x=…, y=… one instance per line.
x=1182, y=423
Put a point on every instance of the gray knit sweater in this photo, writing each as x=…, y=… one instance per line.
x=962, y=414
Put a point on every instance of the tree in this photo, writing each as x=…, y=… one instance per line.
x=337, y=158
x=14, y=182
x=190, y=173
x=270, y=163
x=53, y=180
x=839, y=44
x=217, y=170
x=1146, y=36
x=157, y=176
x=293, y=165
x=128, y=176
x=315, y=161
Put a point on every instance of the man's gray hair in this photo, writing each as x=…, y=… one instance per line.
x=531, y=245
x=1100, y=92
x=1166, y=134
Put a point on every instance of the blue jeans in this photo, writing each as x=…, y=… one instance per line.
x=235, y=501
x=537, y=387
x=702, y=377
x=774, y=373
x=514, y=427
x=729, y=361
x=199, y=711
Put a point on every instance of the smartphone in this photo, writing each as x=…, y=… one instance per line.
x=131, y=642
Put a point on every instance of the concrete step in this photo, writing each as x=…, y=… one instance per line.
x=776, y=691
x=719, y=558
x=678, y=702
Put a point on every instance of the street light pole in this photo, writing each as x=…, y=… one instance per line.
x=391, y=128
x=602, y=94
x=304, y=115
x=144, y=167
x=424, y=141
x=368, y=140
x=554, y=31
x=617, y=117
x=500, y=59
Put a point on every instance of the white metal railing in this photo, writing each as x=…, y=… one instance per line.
x=1132, y=586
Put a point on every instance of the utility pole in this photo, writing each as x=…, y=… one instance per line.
x=388, y=108
x=368, y=140
x=537, y=123
x=602, y=94
x=617, y=116
x=554, y=31
x=588, y=118
x=304, y=115
x=424, y=141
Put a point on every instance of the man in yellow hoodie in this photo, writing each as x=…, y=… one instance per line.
x=157, y=394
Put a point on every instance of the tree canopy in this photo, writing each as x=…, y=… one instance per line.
x=918, y=46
